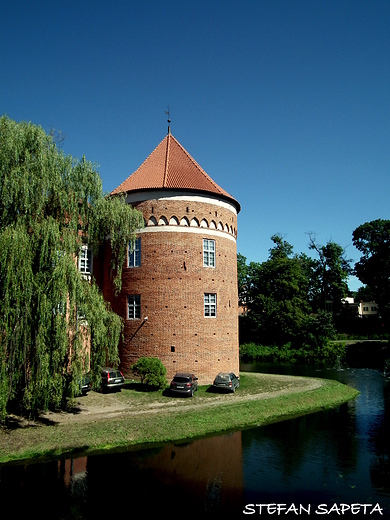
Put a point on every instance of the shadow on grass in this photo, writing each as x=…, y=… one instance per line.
x=139, y=387
x=12, y=423
x=15, y=422
x=212, y=390
x=168, y=393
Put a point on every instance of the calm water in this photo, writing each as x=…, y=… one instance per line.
x=312, y=462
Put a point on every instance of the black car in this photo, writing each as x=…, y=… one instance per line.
x=112, y=379
x=226, y=381
x=85, y=384
x=184, y=383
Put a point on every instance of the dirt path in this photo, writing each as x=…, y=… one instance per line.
x=96, y=406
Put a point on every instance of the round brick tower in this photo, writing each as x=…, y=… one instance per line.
x=179, y=295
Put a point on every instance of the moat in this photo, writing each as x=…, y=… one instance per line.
x=312, y=463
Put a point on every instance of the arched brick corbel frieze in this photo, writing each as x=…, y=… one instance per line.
x=152, y=221
x=195, y=222
x=173, y=221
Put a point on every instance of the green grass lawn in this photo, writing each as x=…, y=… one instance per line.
x=135, y=417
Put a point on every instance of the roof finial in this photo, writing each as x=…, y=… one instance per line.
x=169, y=119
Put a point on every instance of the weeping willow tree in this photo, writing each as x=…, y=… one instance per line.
x=50, y=204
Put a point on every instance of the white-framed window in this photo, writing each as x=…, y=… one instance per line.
x=85, y=260
x=134, y=253
x=80, y=314
x=59, y=255
x=208, y=253
x=60, y=308
x=134, y=306
x=210, y=305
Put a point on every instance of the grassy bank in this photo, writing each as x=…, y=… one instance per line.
x=102, y=422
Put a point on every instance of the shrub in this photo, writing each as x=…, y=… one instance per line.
x=326, y=353
x=267, y=354
x=151, y=372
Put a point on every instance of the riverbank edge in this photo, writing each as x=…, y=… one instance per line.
x=181, y=425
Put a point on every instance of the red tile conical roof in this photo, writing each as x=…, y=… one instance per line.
x=171, y=167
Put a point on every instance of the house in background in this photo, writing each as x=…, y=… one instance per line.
x=367, y=309
x=179, y=296
x=363, y=309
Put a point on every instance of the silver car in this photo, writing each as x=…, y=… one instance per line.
x=226, y=381
x=112, y=379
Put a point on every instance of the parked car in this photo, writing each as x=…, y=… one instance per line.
x=226, y=381
x=85, y=384
x=112, y=379
x=184, y=383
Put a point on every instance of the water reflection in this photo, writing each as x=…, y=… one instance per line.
x=333, y=456
x=380, y=438
x=201, y=476
x=308, y=460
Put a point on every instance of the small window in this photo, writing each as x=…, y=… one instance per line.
x=135, y=253
x=58, y=256
x=85, y=260
x=80, y=314
x=60, y=308
x=208, y=253
x=210, y=305
x=134, y=306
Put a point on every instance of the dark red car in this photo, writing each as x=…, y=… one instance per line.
x=184, y=383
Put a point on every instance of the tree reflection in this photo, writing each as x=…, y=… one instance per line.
x=327, y=435
x=380, y=468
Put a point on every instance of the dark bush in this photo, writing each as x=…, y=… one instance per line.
x=151, y=371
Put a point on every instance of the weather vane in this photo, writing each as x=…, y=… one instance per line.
x=169, y=118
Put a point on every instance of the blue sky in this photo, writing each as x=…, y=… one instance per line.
x=284, y=103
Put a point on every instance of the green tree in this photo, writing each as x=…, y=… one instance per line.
x=364, y=294
x=50, y=204
x=314, y=339
x=372, y=239
x=278, y=294
x=151, y=372
x=242, y=278
x=329, y=276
